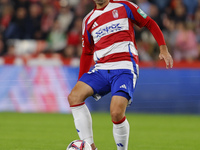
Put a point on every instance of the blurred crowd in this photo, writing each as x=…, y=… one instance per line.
x=59, y=24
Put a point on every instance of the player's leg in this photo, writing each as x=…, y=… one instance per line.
x=122, y=91
x=79, y=93
x=120, y=124
x=80, y=112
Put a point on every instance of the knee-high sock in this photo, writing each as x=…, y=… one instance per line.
x=121, y=134
x=83, y=122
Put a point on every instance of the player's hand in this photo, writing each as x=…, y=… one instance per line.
x=164, y=54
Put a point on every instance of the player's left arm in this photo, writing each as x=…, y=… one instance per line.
x=143, y=20
x=158, y=35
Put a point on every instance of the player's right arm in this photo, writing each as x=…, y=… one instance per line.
x=87, y=50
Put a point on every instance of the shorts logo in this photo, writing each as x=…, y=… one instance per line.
x=115, y=14
x=142, y=13
x=108, y=30
x=123, y=86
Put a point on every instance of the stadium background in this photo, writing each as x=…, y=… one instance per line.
x=40, y=47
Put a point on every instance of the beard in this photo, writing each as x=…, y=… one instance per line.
x=100, y=2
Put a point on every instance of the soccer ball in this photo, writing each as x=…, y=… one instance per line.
x=79, y=145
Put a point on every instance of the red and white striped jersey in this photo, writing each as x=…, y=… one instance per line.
x=108, y=34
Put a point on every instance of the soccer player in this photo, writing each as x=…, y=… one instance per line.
x=108, y=38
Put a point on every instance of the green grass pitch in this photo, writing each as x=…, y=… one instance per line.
x=27, y=131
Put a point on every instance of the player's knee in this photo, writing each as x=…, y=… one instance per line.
x=69, y=98
x=116, y=115
x=73, y=99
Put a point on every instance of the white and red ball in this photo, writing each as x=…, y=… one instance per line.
x=79, y=145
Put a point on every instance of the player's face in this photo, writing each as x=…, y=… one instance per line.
x=100, y=2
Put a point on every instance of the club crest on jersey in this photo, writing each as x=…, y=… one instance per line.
x=115, y=14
